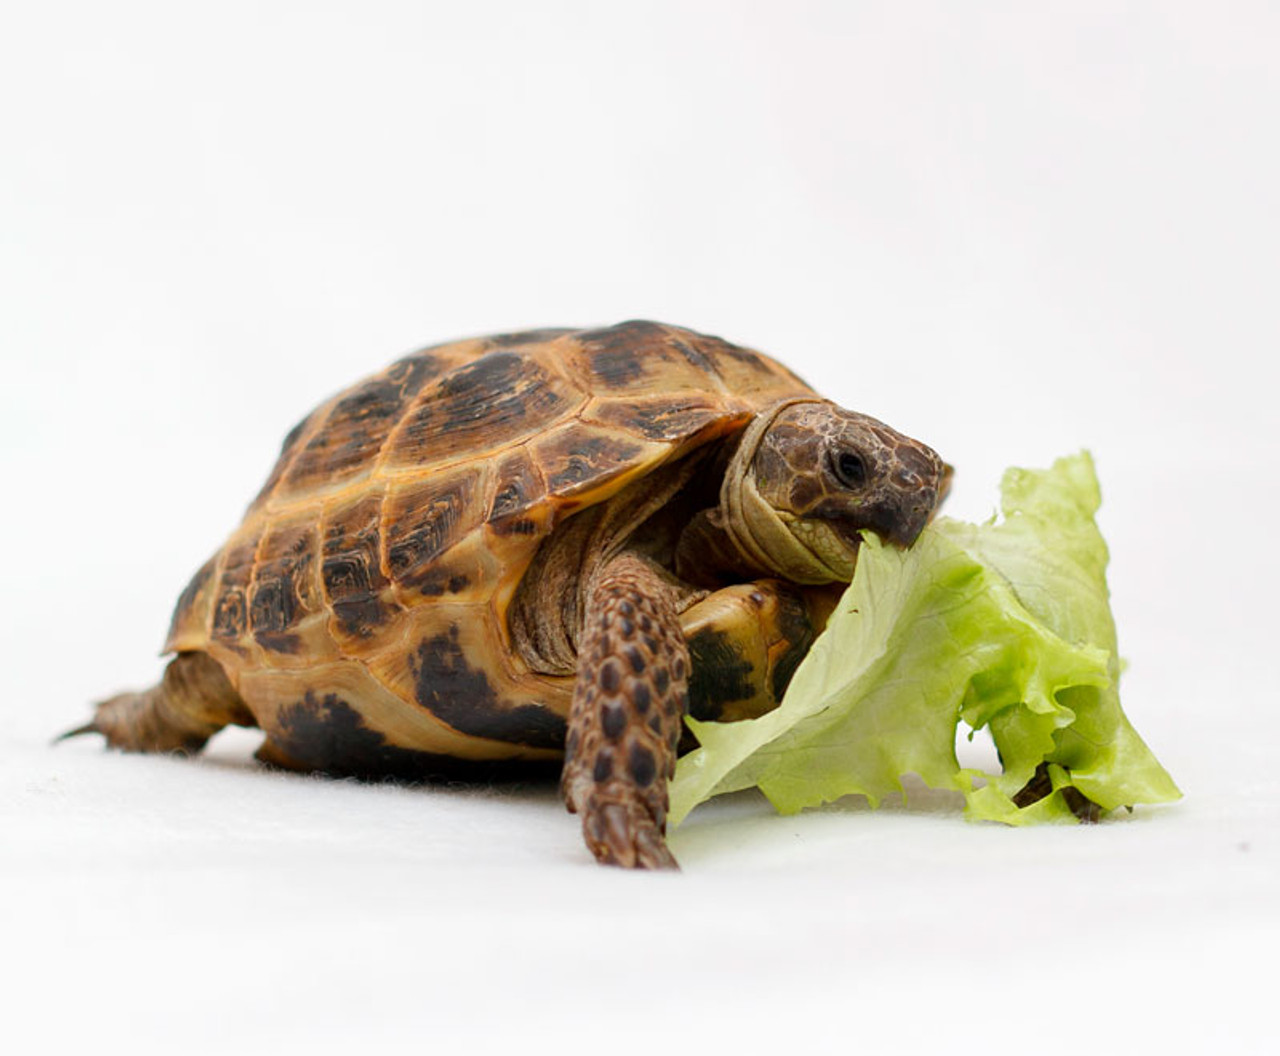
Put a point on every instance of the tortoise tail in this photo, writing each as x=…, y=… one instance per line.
x=192, y=702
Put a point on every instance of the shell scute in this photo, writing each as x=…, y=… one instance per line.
x=284, y=588
x=426, y=516
x=355, y=584
x=643, y=357
x=353, y=433
x=672, y=420
x=518, y=485
x=749, y=375
x=579, y=458
x=492, y=401
x=231, y=609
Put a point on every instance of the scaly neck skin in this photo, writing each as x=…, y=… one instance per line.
x=546, y=611
x=764, y=536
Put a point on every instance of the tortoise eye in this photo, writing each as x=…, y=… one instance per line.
x=849, y=468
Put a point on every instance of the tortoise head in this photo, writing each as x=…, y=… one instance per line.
x=809, y=476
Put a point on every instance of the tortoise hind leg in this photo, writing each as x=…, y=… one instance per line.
x=192, y=702
x=628, y=705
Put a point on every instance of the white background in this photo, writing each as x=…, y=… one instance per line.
x=1009, y=229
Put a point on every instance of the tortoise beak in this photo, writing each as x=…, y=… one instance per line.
x=904, y=530
x=902, y=525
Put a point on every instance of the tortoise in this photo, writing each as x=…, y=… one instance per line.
x=534, y=549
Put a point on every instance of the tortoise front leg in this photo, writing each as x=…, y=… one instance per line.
x=628, y=705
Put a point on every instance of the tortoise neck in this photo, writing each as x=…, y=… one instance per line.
x=546, y=611
x=761, y=534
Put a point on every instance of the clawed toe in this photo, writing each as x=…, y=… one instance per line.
x=79, y=731
x=625, y=834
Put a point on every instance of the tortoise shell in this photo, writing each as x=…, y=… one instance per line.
x=361, y=607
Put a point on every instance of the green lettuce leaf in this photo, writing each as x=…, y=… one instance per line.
x=1001, y=625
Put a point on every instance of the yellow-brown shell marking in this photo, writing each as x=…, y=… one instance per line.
x=361, y=606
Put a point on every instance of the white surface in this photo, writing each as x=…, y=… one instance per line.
x=1010, y=230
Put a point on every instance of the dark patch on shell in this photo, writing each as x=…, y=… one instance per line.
x=424, y=522
x=668, y=420
x=271, y=611
x=438, y=581
x=278, y=642
x=721, y=674
x=694, y=357
x=718, y=346
x=353, y=433
x=230, y=612
x=499, y=396
x=360, y=422
x=516, y=489
x=462, y=697
x=622, y=355
x=352, y=569
x=325, y=733
x=517, y=526
x=617, y=367
x=282, y=591
x=579, y=457
x=412, y=372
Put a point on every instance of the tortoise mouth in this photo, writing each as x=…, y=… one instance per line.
x=842, y=530
x=851, y=538
x=831, y=546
